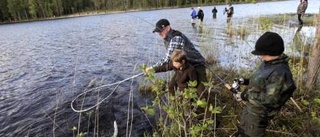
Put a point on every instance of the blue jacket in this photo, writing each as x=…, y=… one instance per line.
x=193, y=14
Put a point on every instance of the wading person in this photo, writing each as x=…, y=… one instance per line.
x=174, y=39
x=214, y=12
x=193, y=17
x=268, y=89
x=229, y=11
x=184, y=71
x=301, y=10
x=200, y=14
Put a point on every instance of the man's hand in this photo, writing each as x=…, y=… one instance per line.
x=237, y=96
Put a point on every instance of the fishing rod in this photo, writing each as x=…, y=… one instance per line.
x=231, y=88
x=141, y=19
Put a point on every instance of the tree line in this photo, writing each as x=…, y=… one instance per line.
x=20, y=10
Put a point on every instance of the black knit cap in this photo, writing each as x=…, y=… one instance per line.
x=269, y=43
x=161, y=24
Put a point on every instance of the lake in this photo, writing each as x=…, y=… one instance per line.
x=44, y=65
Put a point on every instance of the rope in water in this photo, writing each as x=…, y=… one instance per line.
x=107, y=85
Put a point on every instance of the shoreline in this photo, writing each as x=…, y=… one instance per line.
x=95, y=13
x=83, y=14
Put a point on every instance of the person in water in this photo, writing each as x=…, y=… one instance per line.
x=301, y=10
x=229, y=11
x=193, y=17
x=214, y=12
x=200, y=14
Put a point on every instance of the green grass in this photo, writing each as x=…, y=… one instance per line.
x=282, y=19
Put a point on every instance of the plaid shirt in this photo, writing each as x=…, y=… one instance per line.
x=176, y=42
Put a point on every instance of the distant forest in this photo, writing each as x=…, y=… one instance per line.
x=24, y=10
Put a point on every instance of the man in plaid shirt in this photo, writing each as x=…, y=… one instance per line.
x=174, y=39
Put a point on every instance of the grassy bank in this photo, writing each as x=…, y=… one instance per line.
x=224, y=111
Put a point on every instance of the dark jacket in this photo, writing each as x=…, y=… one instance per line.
x=214, y=11
x=230, y=11
x=180, y=78
x=269, y=88
x=200, y=14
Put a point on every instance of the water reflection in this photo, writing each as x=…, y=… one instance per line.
x=200, y=30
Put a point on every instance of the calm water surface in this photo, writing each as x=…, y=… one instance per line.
x=45, y=64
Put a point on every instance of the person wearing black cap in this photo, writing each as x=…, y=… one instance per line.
x=268, y=89
x=174, y=39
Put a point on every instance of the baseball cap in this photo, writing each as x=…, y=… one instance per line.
x=161, y=24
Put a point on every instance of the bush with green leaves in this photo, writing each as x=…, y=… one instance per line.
x=181, y=114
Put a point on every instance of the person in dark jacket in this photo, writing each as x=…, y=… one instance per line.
x=174, y=39
x=184, y=71
x=301, y=10
x=200, y=14
x=229, y=11
x=214, y=12
x=268, y=89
